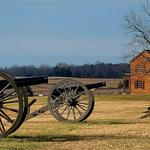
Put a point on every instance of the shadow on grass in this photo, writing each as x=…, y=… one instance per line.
x=66, y=138
x=115, y=121
x=108, y=122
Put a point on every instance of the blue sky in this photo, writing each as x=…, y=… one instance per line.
x=72, y=31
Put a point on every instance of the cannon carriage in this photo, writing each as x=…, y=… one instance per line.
x=68, y=101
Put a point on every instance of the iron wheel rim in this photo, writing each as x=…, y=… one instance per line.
x=8, y=124
x=78, y=104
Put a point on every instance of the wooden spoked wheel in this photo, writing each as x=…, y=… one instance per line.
x=69, y=100
x=12, y=105
x=25, y=102
x=25, y=107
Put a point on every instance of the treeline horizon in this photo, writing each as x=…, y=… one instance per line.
x=97, y=70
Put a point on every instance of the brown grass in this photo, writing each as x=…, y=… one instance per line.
x=114, y=125
x=111, y=83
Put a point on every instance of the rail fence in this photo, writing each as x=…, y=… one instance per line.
x=102, y=91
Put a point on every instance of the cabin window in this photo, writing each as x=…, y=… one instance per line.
x=139, y=68
x=139, y=84
x=147, y=59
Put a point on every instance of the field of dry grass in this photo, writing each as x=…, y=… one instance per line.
x=114, y=125
x=111, y=83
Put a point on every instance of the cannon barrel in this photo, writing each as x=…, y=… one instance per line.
x=95, y=85
x=89, y=86
x=31, y=81
x=57, y=92
x=25, y=81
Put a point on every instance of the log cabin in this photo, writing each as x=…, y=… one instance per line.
x=138, y=81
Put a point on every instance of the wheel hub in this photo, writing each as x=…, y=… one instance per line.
x=71, y=102
x=1, y=104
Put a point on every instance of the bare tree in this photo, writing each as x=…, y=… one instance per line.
x=137, y=26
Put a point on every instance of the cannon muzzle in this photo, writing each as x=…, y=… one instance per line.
x=25, y=81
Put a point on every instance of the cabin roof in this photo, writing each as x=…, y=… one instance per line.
x=145, y=50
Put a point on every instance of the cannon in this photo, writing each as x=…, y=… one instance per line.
x=68, y=101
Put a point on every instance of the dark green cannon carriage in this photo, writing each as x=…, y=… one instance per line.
x=68, y=101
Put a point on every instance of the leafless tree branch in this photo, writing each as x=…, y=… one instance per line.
x=137, y=26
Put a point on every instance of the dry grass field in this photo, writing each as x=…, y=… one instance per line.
x=111, y=83
x=114, y=125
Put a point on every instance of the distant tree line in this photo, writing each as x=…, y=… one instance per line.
x=97, y=70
